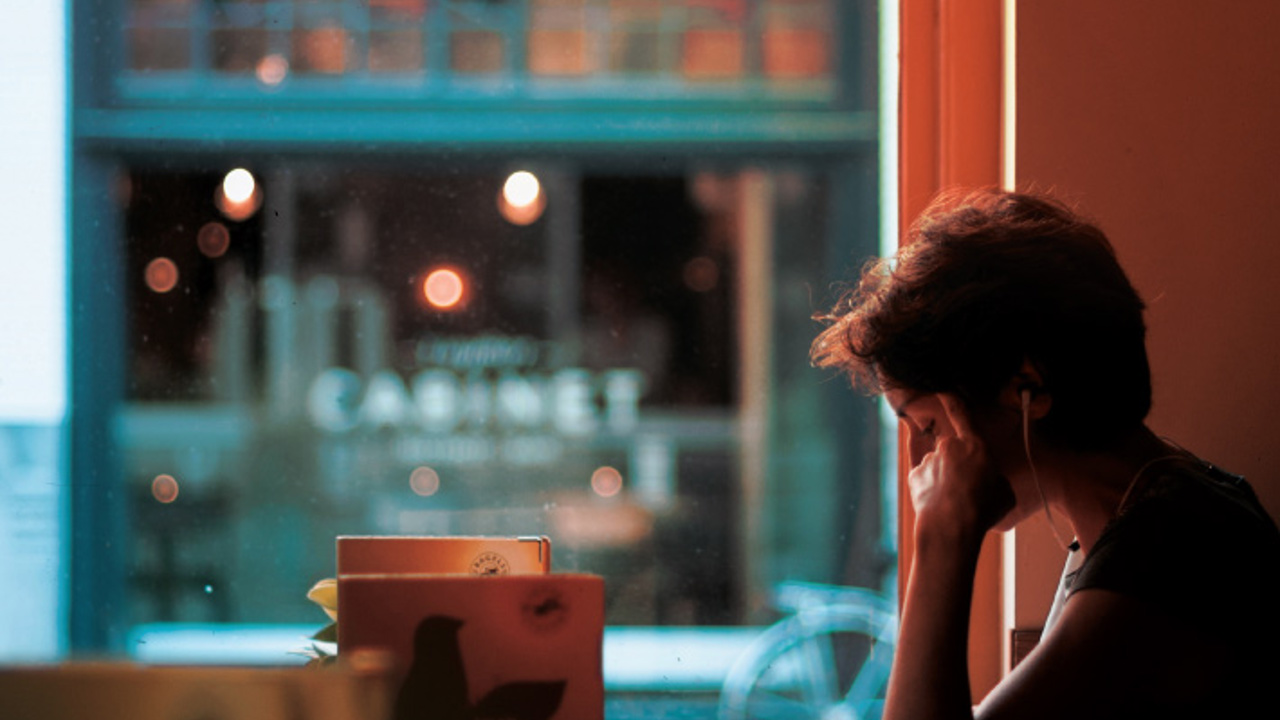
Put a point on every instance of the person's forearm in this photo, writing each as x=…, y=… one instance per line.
x=930, y=679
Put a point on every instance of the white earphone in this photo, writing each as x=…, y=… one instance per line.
x=1035, y=477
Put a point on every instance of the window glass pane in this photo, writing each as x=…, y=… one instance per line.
x=159, y=49
x=323, y=348
x=638, y=43
x=397, y=12
x=155, y=12
x=713, y=41
x=355, y=330
x=240, y=50
x=797, y=40
x=323, y=49
x=476, y=51
x=319, y=349
x=396, y=51
x=159, y=37
x=560, y=40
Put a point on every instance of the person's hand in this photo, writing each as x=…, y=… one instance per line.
x=955, y=489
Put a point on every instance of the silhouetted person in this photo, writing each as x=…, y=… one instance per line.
x=435, y=687
x=1011, y=344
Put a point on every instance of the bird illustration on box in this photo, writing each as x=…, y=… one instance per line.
x=435, y=687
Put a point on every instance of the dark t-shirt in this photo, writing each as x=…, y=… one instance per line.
x=1194, y=542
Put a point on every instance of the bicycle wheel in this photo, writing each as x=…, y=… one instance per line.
x=824, y=663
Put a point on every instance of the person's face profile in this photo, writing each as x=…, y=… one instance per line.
x=926, y=421
x=924, y=418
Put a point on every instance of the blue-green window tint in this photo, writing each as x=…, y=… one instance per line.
x=767, y=49
x=380, y=135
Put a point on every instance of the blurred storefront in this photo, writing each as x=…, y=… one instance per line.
x=466, y=267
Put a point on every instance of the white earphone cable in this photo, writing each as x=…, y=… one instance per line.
x=1035, y=478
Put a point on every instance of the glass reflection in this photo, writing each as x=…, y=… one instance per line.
x=308, y=349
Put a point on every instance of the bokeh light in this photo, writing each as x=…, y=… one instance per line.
x=522, y=201
x=424, y=481
x=606, y=481
x=701, y=274
x=161, y=275
x=272, y=69
x=238, y=185
x=213, y=239
x=521, y=188
x=164, y=488
x=444, y=288
x=239, y=195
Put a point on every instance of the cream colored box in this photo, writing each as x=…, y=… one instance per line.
x=378, y=554
x=517, y=646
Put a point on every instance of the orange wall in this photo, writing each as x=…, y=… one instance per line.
x=1162, y=121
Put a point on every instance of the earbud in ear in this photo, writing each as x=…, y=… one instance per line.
x=1025, y=391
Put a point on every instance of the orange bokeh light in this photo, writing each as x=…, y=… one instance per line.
x=162, y=275
x=606, y=481
x=213, y=239
x=164, y=488
x=272, y=69
x=239, y=195
x=444, y=288
x=522, y=199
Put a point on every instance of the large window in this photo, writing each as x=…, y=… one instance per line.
x=467, y=267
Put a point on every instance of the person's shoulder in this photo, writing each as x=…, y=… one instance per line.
x=1193, y=539
x=1201, y=499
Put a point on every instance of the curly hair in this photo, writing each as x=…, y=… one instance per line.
x=986, y=280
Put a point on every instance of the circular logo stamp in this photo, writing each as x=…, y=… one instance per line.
x=544, y=609
x=490, y=563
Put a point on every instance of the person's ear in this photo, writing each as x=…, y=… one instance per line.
x=1026, y=390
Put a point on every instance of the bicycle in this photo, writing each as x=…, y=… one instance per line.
x=829, y=659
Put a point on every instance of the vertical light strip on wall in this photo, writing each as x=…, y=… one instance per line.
x=33, y=360
x=890, y=67
x=1008, y=181
x=1008, y=104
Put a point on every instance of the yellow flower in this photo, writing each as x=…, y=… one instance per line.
x=325, y=594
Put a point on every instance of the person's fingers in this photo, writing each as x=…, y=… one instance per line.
x=957, y=415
